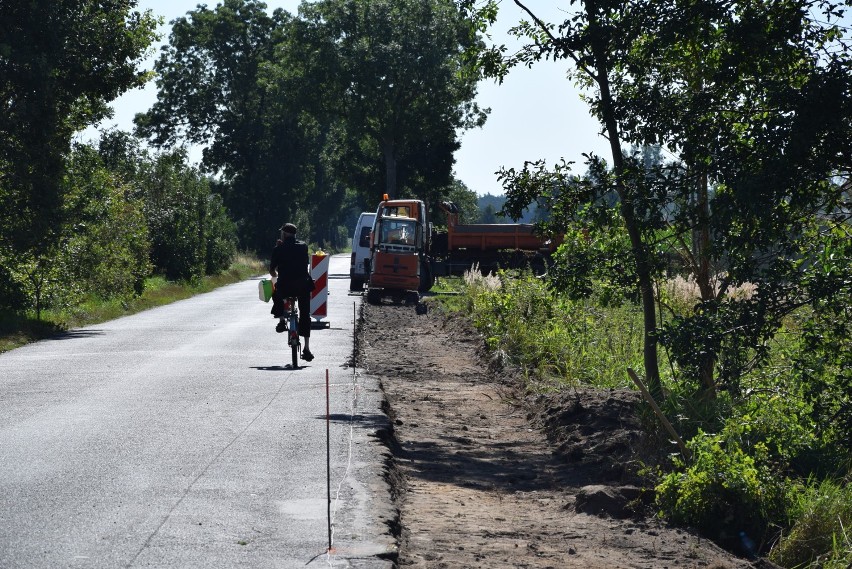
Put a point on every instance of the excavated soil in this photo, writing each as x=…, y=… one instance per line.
x=485, y=475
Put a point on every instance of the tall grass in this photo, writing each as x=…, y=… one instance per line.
x=821, y=533
x=555, y=340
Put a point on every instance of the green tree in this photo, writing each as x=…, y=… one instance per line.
x=595, y=51
x=100, y=249
x=750, y=100
x=741, y=94
x=178, y=207
x=189, y=228
x=61, y=63
x=465, y=199
x=823, y=365
x=489, y=215
x=759, y=123
x=220, y=236
x=105, y=245
x=392, y=71
x=214, y=89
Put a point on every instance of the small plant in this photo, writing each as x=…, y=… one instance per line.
x=553, y=338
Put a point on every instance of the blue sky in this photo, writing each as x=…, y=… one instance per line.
x=535, y=114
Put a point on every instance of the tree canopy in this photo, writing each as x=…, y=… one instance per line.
x=392, y=71
x=61, y=63
x=307, y=113
x=752, y=102
x=212, y=91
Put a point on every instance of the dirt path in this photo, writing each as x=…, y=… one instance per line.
x=486, y=480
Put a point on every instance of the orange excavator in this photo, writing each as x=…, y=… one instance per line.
x=399, y=252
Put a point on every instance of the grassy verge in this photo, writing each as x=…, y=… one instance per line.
x=19, y=329
x=820, y=535
x=552, y=339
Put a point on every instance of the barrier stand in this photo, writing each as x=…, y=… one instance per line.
x=319, y=296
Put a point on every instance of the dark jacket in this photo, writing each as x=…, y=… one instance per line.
x=290, y=260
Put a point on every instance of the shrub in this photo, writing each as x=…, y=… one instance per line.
x=724, y=492
x=191, y=233
x=105, y=242
x=221, y=237
x=12, y=293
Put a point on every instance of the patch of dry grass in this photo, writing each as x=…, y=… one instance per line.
x=680, y=295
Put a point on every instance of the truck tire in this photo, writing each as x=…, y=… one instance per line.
x=374, y=296
x=356, y=284
x=427, y=279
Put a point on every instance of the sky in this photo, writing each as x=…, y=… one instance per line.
x=536, y=113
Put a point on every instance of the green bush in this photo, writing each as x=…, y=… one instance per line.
x=221, y=237
x=191, y=233
x=12, y=293
x=175, y=210
x=106, y=243
x=724, y=491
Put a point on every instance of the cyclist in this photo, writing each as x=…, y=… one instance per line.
x=289, y=263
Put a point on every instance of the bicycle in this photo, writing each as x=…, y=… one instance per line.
x=291, y=314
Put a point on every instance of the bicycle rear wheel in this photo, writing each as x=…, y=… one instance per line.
x=294, y=335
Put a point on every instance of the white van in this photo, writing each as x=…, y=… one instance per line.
x=360, y=251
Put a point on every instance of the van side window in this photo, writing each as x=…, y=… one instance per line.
x=364, y=241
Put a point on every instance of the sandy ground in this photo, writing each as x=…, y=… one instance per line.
x=485, y=476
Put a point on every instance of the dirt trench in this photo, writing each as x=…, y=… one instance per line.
x=485, y=476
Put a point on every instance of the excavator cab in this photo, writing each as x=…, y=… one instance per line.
x=398, y=231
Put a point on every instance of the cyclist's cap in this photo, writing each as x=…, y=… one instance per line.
x=288, y=228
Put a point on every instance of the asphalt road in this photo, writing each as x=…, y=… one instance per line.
x=177, y=438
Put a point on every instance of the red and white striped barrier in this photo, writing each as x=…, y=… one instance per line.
x=319, y=296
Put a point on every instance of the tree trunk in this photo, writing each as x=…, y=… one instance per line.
x=703, y=276
x=640, y=251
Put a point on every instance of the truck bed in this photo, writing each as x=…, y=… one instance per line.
x=492, y=237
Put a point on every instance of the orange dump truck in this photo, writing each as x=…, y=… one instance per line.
x=406, y=254
x=488, y=245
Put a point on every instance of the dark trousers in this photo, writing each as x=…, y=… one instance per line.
x=304, y=310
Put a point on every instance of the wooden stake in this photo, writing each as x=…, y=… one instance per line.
x=650, y=399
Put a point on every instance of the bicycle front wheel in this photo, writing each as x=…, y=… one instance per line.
x=295, y=350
